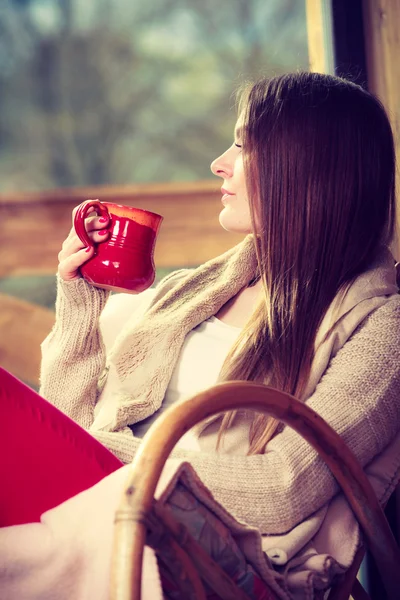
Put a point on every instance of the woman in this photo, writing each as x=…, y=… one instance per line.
x=307, y=303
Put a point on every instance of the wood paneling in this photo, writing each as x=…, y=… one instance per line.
x=382, y=40
x=35, y=225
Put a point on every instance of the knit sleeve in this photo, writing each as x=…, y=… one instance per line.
x=359, y=396
x=88, y=320
x=73, y=354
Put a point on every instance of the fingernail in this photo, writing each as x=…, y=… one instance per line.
x=88, y=249
x=103, y=232
x=103, y=219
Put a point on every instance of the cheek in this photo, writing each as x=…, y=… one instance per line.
x=241, y=189
x=239, y=173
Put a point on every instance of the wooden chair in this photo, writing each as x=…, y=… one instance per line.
x=191, y=564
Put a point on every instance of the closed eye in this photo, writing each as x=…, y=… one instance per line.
x=238, y=145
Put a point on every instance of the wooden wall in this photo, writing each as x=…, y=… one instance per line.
x=382, y=44
x=35, y=225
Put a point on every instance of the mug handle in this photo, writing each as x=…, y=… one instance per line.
x=80, y=216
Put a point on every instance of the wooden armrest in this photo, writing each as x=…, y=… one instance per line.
x=178, y=419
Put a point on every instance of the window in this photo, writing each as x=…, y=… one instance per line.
x=116, y=92
x=102, y=93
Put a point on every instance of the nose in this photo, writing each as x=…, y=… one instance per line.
x=222, y=166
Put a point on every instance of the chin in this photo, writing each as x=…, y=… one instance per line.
x=234, y=224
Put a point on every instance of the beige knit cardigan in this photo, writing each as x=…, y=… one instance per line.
x=358, y=395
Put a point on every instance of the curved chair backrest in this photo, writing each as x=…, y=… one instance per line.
x=137, y=501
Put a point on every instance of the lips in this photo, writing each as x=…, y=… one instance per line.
x=226, y=195
x=226, y=192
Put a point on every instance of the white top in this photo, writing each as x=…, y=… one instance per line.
x=200, y=361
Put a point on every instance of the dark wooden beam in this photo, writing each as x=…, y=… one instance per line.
x=348, y=40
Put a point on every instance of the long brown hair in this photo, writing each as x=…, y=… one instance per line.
x=320, y=171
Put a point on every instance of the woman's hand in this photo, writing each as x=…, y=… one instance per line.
x=73, y=252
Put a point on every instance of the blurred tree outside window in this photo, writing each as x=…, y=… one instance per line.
x=119, y=91
x=112, y=93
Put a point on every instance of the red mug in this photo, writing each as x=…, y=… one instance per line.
x=124, y=262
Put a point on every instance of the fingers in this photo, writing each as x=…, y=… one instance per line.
x=97, y=231
x=71, y=245
x=68, y=268
x=73, y=253
x=95, y=223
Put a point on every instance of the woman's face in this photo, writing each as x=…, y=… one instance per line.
x=235, y=216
